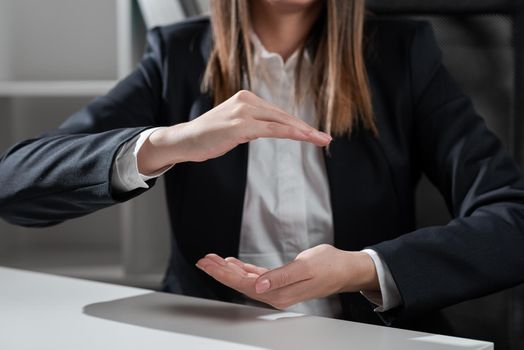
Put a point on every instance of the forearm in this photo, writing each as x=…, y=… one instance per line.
x=438, y=266
x=51, y=179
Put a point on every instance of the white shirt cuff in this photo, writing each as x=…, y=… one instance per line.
x=388, y=297
x=126, y=176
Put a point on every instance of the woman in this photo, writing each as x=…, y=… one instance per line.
x=293, y=219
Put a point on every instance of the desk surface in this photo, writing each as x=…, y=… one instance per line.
x=50, y=312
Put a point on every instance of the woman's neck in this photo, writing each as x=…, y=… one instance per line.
x=282, y=29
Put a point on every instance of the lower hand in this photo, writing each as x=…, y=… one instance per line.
x=315, y=273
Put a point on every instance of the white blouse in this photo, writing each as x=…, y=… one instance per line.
x=287, y=207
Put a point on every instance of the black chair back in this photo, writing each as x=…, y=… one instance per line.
x=483, y=47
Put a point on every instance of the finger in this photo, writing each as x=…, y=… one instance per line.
x=250, y=268
x=216, y=258
x=244, y=283
x=236, y=268
x=255, y=269
x=235, y=261
x=295, y=271
x=268, y=111
x=205, y=262
x=281, y=131
x=261, y=109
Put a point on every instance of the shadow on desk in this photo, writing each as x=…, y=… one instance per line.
x=258, y=327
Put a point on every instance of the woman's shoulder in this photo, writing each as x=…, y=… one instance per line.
x=190, y=35
x=395, y=42
x=185, y=28
x=394, y=30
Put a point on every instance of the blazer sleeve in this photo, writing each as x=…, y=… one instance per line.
x=482, y=249
x=66, y=173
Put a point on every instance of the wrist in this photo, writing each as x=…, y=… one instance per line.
x=362, y=274
x=160, y=150
x=369, y=277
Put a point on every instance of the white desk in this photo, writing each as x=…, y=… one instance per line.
x=39, y=311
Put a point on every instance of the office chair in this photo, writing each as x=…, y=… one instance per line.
x=483, y=47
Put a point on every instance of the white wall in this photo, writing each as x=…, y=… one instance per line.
x=4, y=39
x=58, y=39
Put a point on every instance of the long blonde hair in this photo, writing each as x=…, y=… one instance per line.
x=339, y=78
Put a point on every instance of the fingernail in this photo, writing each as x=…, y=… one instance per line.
x=327, y=137
x=323, y=136
x=262, y=286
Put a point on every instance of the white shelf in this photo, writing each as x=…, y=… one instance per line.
x=55, y=88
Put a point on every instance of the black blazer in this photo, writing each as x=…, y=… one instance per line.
x=426, y=125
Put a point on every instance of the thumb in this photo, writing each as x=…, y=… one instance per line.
x=286, y=275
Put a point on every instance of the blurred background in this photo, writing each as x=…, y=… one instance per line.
x=57, y=55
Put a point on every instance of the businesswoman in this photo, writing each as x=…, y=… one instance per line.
x=267, y=207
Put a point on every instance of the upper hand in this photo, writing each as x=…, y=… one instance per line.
x=315, y=273
x=240, y=119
